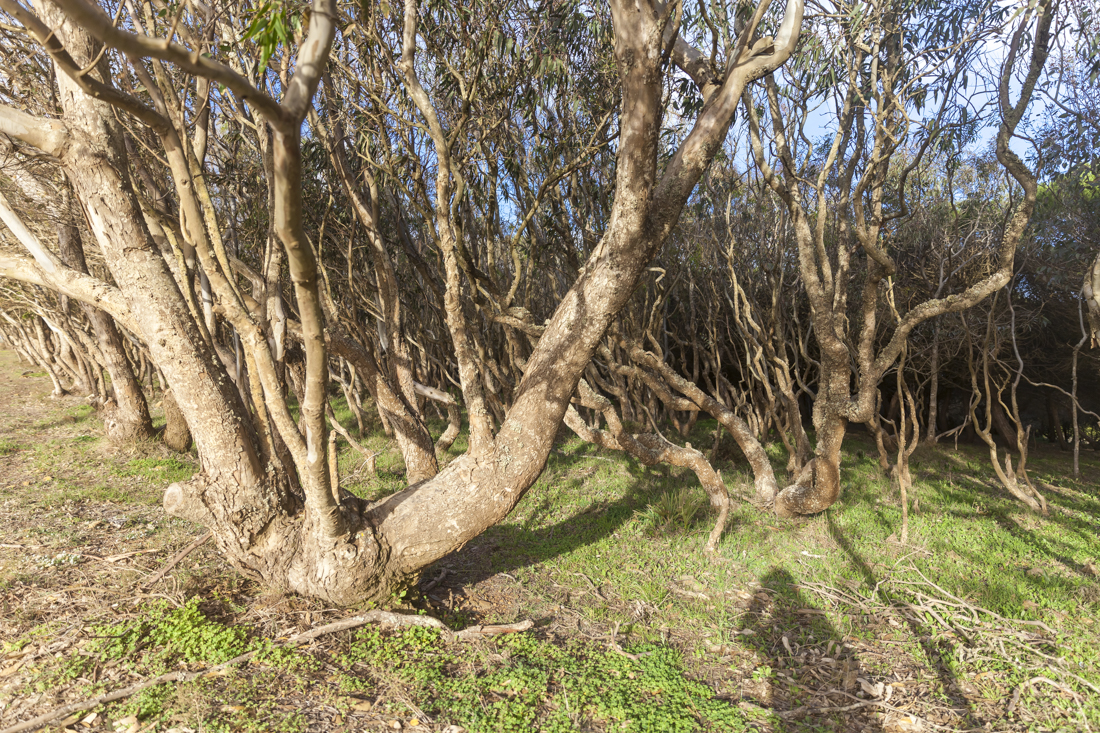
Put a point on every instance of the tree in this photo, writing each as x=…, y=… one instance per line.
x=265, y=488
x=883, y=83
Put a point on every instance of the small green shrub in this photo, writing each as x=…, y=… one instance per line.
x=537, y=685
x=675, y=510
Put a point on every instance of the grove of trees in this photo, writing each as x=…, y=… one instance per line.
x=502, y=218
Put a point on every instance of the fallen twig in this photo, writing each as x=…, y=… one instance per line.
x=592, y=586
x=1028, y=683
x=1038, y=624
x=688, y=593
x=614, y=645
x=838, y=709
x=175, y=560
x=428, y=587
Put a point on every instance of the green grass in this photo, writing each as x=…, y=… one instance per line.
x=167, y=469
x=605, y=520
x=525, y=684
x=7, y=446
x=641, y=527
x=602, y=542
x=72, y=415
x=73, y=469
x=163, y=638
x=82, y=412
x=514, y=683
x=591, y=514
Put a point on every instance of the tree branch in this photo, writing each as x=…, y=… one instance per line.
x=84, y=288
x=47, y=135
x=138, y=46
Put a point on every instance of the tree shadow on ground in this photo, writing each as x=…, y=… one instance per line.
x=808, y=675
x=959, y=484
x=999, y=505
x=507, y=547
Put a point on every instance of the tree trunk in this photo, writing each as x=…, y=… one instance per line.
x=1000, y=421
x=346, y=551
x=235, y=495
x=1090, y=292
x=818, y=486
x=126, y=417
x=763, y=475
x=395, y=385
x=1054, y=420
x=177, y=435
x=931, y=436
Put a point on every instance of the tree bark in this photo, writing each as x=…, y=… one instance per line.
x=763, y=474
x=177, y=435
x=94, y=159
x=331, y=547
x=931, y=436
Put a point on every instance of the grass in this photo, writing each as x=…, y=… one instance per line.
x=597, y=519
x=170, y=468
x=525, y=684
x=515, y=683
x=621, y=544
x=605, y=555
x=963, y=523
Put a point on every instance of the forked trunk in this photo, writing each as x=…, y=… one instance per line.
x=347, y=551
x=817, y=487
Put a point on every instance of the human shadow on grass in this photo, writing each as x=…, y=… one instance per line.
x=934, y=649
x=808, y=675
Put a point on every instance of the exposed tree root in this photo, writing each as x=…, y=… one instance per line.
x=816, y=489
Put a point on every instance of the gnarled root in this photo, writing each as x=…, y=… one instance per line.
x=816, y=489
x=285, y=546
